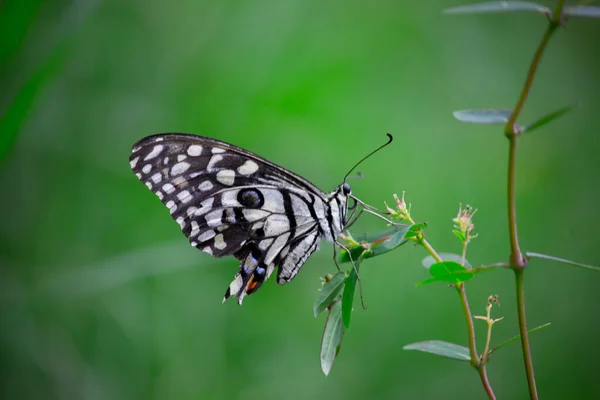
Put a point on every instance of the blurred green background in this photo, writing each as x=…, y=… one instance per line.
x=101, y=296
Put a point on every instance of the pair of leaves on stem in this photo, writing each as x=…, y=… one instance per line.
x=337, y=295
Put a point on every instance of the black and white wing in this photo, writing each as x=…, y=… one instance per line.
x=229, y=201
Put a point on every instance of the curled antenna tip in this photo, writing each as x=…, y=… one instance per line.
x=390, y=138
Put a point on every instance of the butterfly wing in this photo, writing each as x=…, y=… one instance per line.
x=229, y=201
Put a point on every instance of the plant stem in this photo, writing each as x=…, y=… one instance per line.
x=486, y=382
x=511, y=130
x=460, y=287
x=475, y=361
x=519, y=282
x=430, y=250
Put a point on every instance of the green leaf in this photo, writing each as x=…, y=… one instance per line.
x=545, y=119
x=332, y=337
x=348, y=296
x=512, y=339
x=441, y=348
x=459, y=235
x=449, y=272
x=561, y=260
x=376, y=243
x=414, y=230
x=498, y=6
x=491, y=116
x=429, y=260
x=582, y=11
x=329, y=293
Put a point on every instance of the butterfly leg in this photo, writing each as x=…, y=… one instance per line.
x=362, y=299
x=335, y=258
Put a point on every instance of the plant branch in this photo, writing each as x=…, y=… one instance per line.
x=519, y=282
x=475, y=361
x=485, y=382
x=512, y=130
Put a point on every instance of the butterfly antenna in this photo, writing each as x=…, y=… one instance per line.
x=390, y=138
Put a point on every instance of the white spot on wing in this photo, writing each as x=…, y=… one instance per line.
x=195, y=229
x=191, y=210
x=168, y=188
x=180, y=221
x=133, y=162
x=217, y=150
x=207, y=235
x=194, y=150
x=208, y=250
x=157, y=177
x=171, y=205
x=181, y=157
x=205, y=206
x=184, y=196
x=147, y=168
x=226, y=176
x=149, y=185
x=213, y=160
x=220, y=242
x=155, y=151
x=159, y=194
x=179, y=168
x=248, y=168
x=205, y=186
x=213, y=218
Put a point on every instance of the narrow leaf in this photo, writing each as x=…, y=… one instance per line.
x=329, y=293
x=332, y=337
x=562, y=260
x=377, y=243
x=441, y=348
x=545, y=119
x=491, y=116
x=429, y=260
x=582, y=11
x=512, y=339
x=348, y=296
x=498, y=6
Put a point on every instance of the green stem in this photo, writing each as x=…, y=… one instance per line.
x=475, y=362
x=519, y=277
x=430, y=250
x=460, y=287
x=517, y=262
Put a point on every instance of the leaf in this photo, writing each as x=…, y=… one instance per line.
x=348, y=296
x=491, y=116
x=376, y=243
x=332, y=337
x=449, y=272
x=329, y=293
x=429, y=260
x=414, y=230
x=441, y=348
x=545, y=119
x=582, y=11
x=561, y=260
x=512, y=339
x=498, y=6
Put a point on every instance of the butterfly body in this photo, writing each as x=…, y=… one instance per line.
x=229, y=201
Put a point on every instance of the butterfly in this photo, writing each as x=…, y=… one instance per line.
x=230, y=201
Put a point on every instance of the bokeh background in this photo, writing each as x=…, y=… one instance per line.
x=101, y=296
